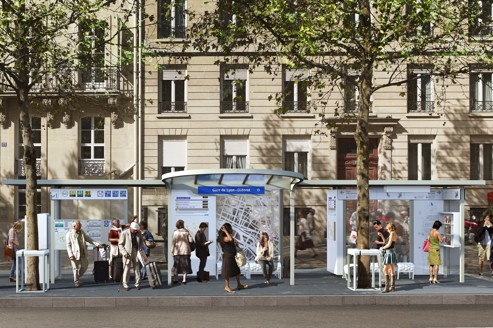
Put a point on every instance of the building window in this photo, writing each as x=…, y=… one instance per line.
x=419, y=18
x=92, y=146
x=480, y=91
x=419, y=159
x=420, y=91
x=172, y=18
x=172, y=90
x=295, y=90
x=351, y=94
x=174, y=155
x=296, y=155
x=234, y=153
x=21, y=201
x=481, y=161
x=92, y=47
x=481, y=22
x=36, y=137
x=234, y=89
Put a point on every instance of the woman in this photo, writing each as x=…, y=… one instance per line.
x=389, y=258
x=148, y=244
x=304, y=234
x=434, y=259
x=229, y=266
x=202, y=250
x=180, y=248
x=13, y=243
x=484, y=235
x=265, y=252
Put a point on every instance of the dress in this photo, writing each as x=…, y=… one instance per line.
x=434, y=252
x=181, y=252
x=229, y=267
x=390, y=257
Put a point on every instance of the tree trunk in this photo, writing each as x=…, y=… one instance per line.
x=29, y=159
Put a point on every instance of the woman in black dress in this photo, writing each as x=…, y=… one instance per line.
x=229, y=267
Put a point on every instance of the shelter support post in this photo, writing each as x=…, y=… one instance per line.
x=461, y=235
x=291, y=235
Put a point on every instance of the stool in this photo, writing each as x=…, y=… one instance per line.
x=405, y=267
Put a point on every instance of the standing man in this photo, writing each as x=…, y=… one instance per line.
x=382, y=234
x=76, y=240
x=129, y=244
x=483, y=238
x=202, y=249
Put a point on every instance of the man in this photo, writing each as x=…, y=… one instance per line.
x=113, y=238
x=202, y=249
x=483, y=238
x=129, y=244
x=381, y=233
x=76, y=240
x=405, y=235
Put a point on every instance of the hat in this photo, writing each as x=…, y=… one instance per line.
x=135, y=226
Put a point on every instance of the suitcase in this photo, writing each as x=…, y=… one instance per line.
x=101, y=264
x=117, y=269
x=154, y=275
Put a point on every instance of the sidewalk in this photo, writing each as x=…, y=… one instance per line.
x=313, y=287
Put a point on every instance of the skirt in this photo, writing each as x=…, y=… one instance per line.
x=389, y=257
x=229, y=268
x=434, y=256
x=182, y=264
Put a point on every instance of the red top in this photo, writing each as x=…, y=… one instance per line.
x=113, y=234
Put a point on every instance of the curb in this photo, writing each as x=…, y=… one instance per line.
x=239, y=301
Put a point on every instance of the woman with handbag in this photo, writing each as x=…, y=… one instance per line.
x=434, y=259
x=149, y=243
x=265, y=252
x=389, y=258
x=229, y=266
x=13, y=243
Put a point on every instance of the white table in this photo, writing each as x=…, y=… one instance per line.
x=44, y=273
x=355, y=253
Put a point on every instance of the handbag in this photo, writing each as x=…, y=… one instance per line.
x=8, y=252
x=149, y=244
x=426, y=245
x=300, y=245
x=240, y=257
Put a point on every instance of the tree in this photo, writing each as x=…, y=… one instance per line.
x=343, y=43
x=44, y=47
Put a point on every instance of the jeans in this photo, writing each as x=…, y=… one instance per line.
x=267, y=268
x=13, y=267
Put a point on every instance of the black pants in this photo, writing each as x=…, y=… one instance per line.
x=267, y=268
x=203, y=261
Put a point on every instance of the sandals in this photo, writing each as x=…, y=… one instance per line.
x=242, y=287
x=436, y=281
x=230, y=291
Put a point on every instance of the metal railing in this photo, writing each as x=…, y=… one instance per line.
x=234, y=106
x=296, y=106
x=172, y=107
x=420, y=106
x=482, y=106
x=480, y=30
x=21, y=170
x=91, y=167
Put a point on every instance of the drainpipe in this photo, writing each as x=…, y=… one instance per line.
x=141, y=37
x=136, y=106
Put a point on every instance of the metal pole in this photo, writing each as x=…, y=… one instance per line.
x=461, y=235
x=291, y=235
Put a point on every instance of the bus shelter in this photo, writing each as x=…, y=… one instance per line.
x=250, y=200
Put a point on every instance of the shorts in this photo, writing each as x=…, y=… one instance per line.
x=484, y=252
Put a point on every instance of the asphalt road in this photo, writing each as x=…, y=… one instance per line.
x=302, y=317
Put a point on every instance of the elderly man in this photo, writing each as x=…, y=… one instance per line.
x=76, y=240
x=129, y=244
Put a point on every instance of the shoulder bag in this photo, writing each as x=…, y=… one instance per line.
x=426, y=245
x=8, y=252
x=240, y=257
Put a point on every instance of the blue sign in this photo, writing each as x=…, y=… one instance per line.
x=229, y=190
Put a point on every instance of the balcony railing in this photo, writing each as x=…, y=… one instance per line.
x=481, y=30
x=91, y=167
x=22, y=170
x=172, y=107
x=421, y=106
x=234, y=106
x=296, y=106
x=482, y=106
x=351, y=106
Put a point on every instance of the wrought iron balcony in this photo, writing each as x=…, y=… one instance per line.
x=482, y=106
x=172, y=107
x=481, y=30
x=234, y=106
x=421, y=106
x=351, y=106
x=91, y=167
x=22, y=170
x=296, y=106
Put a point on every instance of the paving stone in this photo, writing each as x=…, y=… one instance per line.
x=459, y=299
x=30, y=302
x=68, y=302
x=327, y=300
x=359, y=300
x=260, y=300
x=196, y=301
x=392, y=300
x=99, y=302
x=293, y=301
x=220, y=301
